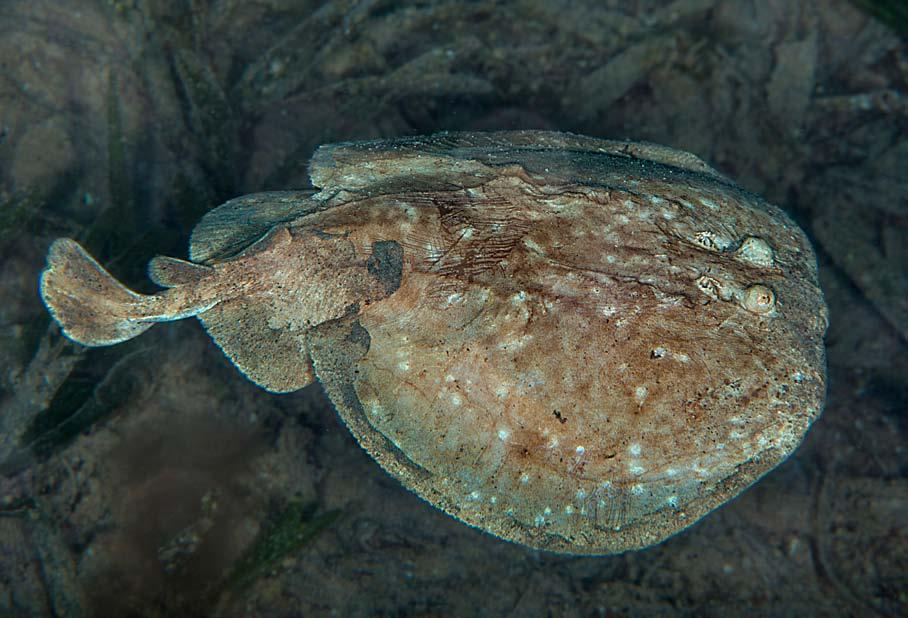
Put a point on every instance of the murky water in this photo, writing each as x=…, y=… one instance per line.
x=151, y=480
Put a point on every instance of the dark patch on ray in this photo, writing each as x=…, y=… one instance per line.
x=387, y=263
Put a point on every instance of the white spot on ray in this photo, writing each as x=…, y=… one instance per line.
x=503, y=434
x=634, y=449
x=433, y=253
x=532, y=245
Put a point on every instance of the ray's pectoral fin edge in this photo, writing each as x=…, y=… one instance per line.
x=337, y=347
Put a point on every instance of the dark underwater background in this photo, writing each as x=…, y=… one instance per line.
x=151, y=480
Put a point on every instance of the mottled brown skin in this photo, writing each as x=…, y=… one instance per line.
x=579, y=345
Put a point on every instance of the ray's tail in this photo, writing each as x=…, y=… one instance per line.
x=95, y=309
x=92, y=307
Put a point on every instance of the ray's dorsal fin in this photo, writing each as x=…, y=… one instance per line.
x=169, y=272
x=231, y=227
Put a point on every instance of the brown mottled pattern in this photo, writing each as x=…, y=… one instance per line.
x=576, y=344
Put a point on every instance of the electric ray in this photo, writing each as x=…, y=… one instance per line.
x=576, y=344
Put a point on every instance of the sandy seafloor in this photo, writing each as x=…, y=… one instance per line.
x=133, y=480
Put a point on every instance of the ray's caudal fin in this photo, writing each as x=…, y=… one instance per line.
x=95, y=309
